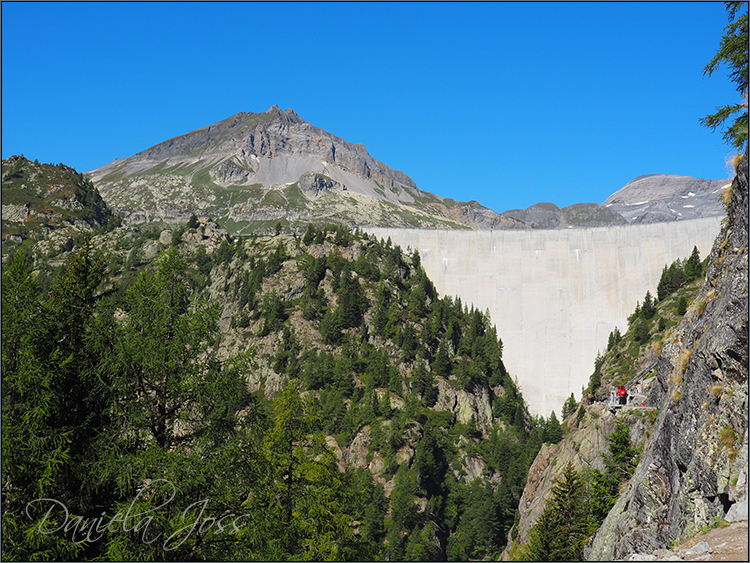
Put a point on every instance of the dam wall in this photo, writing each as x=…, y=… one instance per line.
x=554, y=295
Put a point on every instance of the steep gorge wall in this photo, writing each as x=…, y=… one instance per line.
x=694, y=469
x=554, y=295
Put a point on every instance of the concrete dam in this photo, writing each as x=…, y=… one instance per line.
x=554, y=295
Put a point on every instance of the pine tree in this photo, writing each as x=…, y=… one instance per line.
x=595, y=381
x=442, y=363
x=552, y=430
x=309, y=235
x=422, y=545
x=641, y=332
x=46, y=439
x=622, y=457
x=693, y=266
x=569, y=407
x=385, y=405
x=662, y=289
x=352, y=301
x=561, y=531
x=417, y=299
x=734, y=53
x=408, y=344
x=286, y=360
x=648, y=310
x=176, y=402
x=430, y=462
x=300, y=508
x=403, y=508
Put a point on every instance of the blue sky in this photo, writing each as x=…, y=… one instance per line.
x=509, y=104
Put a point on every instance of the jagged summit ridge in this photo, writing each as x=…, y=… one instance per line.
x=254, y=169
x=250, y=139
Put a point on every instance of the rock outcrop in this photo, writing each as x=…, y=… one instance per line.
x=50, y=203
x=313, y=185
x=584, y=447
x=694, y=469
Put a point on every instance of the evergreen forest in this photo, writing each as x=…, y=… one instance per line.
x=177, y=394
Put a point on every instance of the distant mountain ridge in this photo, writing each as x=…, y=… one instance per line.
x=252, y=170
x=650, y=198
x=667, y=197
x=550, y=216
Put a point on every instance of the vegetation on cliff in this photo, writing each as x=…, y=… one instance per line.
x=48, y=201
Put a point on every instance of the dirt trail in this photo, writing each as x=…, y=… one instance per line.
x=719, y=544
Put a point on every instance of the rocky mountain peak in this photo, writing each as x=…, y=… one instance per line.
x=250, y=168
x=651, y=198
x=285, y=115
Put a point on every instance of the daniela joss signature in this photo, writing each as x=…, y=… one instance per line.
x=57, y=519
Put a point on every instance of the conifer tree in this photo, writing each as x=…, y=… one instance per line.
x=641, y=332
x=648, y=310
x=552, y=430
x=442, y=363
x=734, y=53
x=561, y=531
x=300, y=509
x=693, y=266
x=404, y=510
x=175, y=423
x=309, y=235
x=569, y=407
x=622, y=457
x=52, y=404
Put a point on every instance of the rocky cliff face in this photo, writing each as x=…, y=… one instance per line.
x=694, y=469
x=254, y=169
x=584, y=448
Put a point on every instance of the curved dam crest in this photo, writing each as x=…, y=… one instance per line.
x=554, y=295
